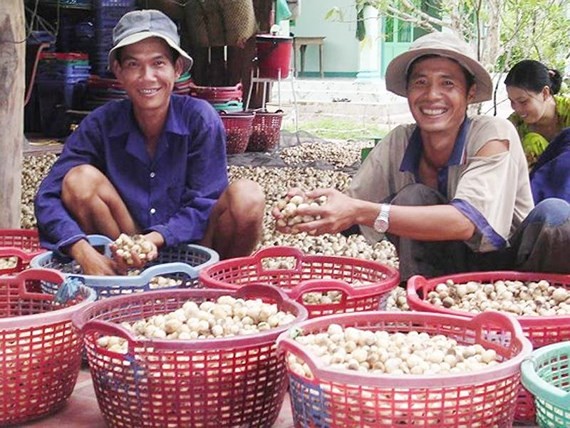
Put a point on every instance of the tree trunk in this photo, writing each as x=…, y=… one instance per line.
x=492, y=40
x=12, y=76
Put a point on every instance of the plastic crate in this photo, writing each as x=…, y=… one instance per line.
x=63, y=58
x=309, y=274
x=238, y=128
x=266, y=131
x=338, y=398
x=101, y=4
x=70, y=4
x=24, y=239
x=40, y=352
x=181, y=262
x=541, y=330
x=546, y=374
x=17, y=248
x=228, y=382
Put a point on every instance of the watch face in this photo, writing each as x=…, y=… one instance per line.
x=381, y=225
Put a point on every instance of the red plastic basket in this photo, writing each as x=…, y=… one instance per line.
x=22, y=245
x=217, y=94
x=40, y=352
x=266, y=131
x=311, y=273
x=541, y=330
x=238, y=130
x=229, y=382
x=338, y=398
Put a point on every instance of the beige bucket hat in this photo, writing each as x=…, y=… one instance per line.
x=443, y=44
x=141, y=24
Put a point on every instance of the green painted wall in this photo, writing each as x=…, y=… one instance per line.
x=341, y=45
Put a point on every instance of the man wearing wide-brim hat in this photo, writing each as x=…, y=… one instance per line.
x=451, y=192
x=152, y=164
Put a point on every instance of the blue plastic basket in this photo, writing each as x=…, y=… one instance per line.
x=97, y=4
x=546, y=374
x=182, y=262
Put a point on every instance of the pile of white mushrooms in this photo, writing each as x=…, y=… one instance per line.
x=226, y=317
x=380, y=352
x=531, y=298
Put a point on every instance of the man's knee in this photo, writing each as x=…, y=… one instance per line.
x=246, y=198
x=551, y=211
x=418, y=195
x=80, y=182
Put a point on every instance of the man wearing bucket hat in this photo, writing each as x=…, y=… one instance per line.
x=154, y=163
x=450, y=191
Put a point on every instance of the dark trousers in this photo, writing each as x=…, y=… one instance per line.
x=540, y=244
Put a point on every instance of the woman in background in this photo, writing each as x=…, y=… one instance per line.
x=541, y=118
x=540, y=115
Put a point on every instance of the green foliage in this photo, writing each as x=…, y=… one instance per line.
x=536, y=29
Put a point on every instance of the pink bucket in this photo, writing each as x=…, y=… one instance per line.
x=274, y=55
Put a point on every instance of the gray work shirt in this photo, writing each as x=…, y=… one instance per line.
x=493, y=192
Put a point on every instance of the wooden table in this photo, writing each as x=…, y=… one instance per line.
x=300, y=44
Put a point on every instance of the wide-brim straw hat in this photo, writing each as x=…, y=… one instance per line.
x=141, y=24
x=447, y=45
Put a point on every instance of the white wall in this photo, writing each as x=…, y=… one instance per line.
x=341, y=45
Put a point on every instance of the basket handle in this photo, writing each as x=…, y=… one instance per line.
x=492, y=320
x=39, y=274
x=21, y=256
x=315, y=285
x=14, y=252
x=281, y=251
x=165, y=268
x=286, y=344
x=263, y=290
x=100, y=240
x=415, y=283
x=109, y=329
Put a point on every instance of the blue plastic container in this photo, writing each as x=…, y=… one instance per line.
x=182, y=262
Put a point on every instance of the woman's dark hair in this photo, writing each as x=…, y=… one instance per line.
x=469, y=78
x=533, y=76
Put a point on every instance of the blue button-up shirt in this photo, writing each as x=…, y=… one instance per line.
x=171, y=193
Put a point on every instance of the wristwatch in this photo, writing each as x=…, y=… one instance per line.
x=382, y=222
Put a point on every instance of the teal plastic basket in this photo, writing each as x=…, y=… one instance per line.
x=546, y=374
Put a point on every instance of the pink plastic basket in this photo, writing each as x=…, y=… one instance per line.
x=20, y=244
x=229, y=382
x=338, y=398
x=541, y=330
x=238, y=128
x=311, y=273
x=40, y=352
x=217, y=94
x=266, y=131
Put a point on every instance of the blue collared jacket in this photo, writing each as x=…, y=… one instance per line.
x=171, y=193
